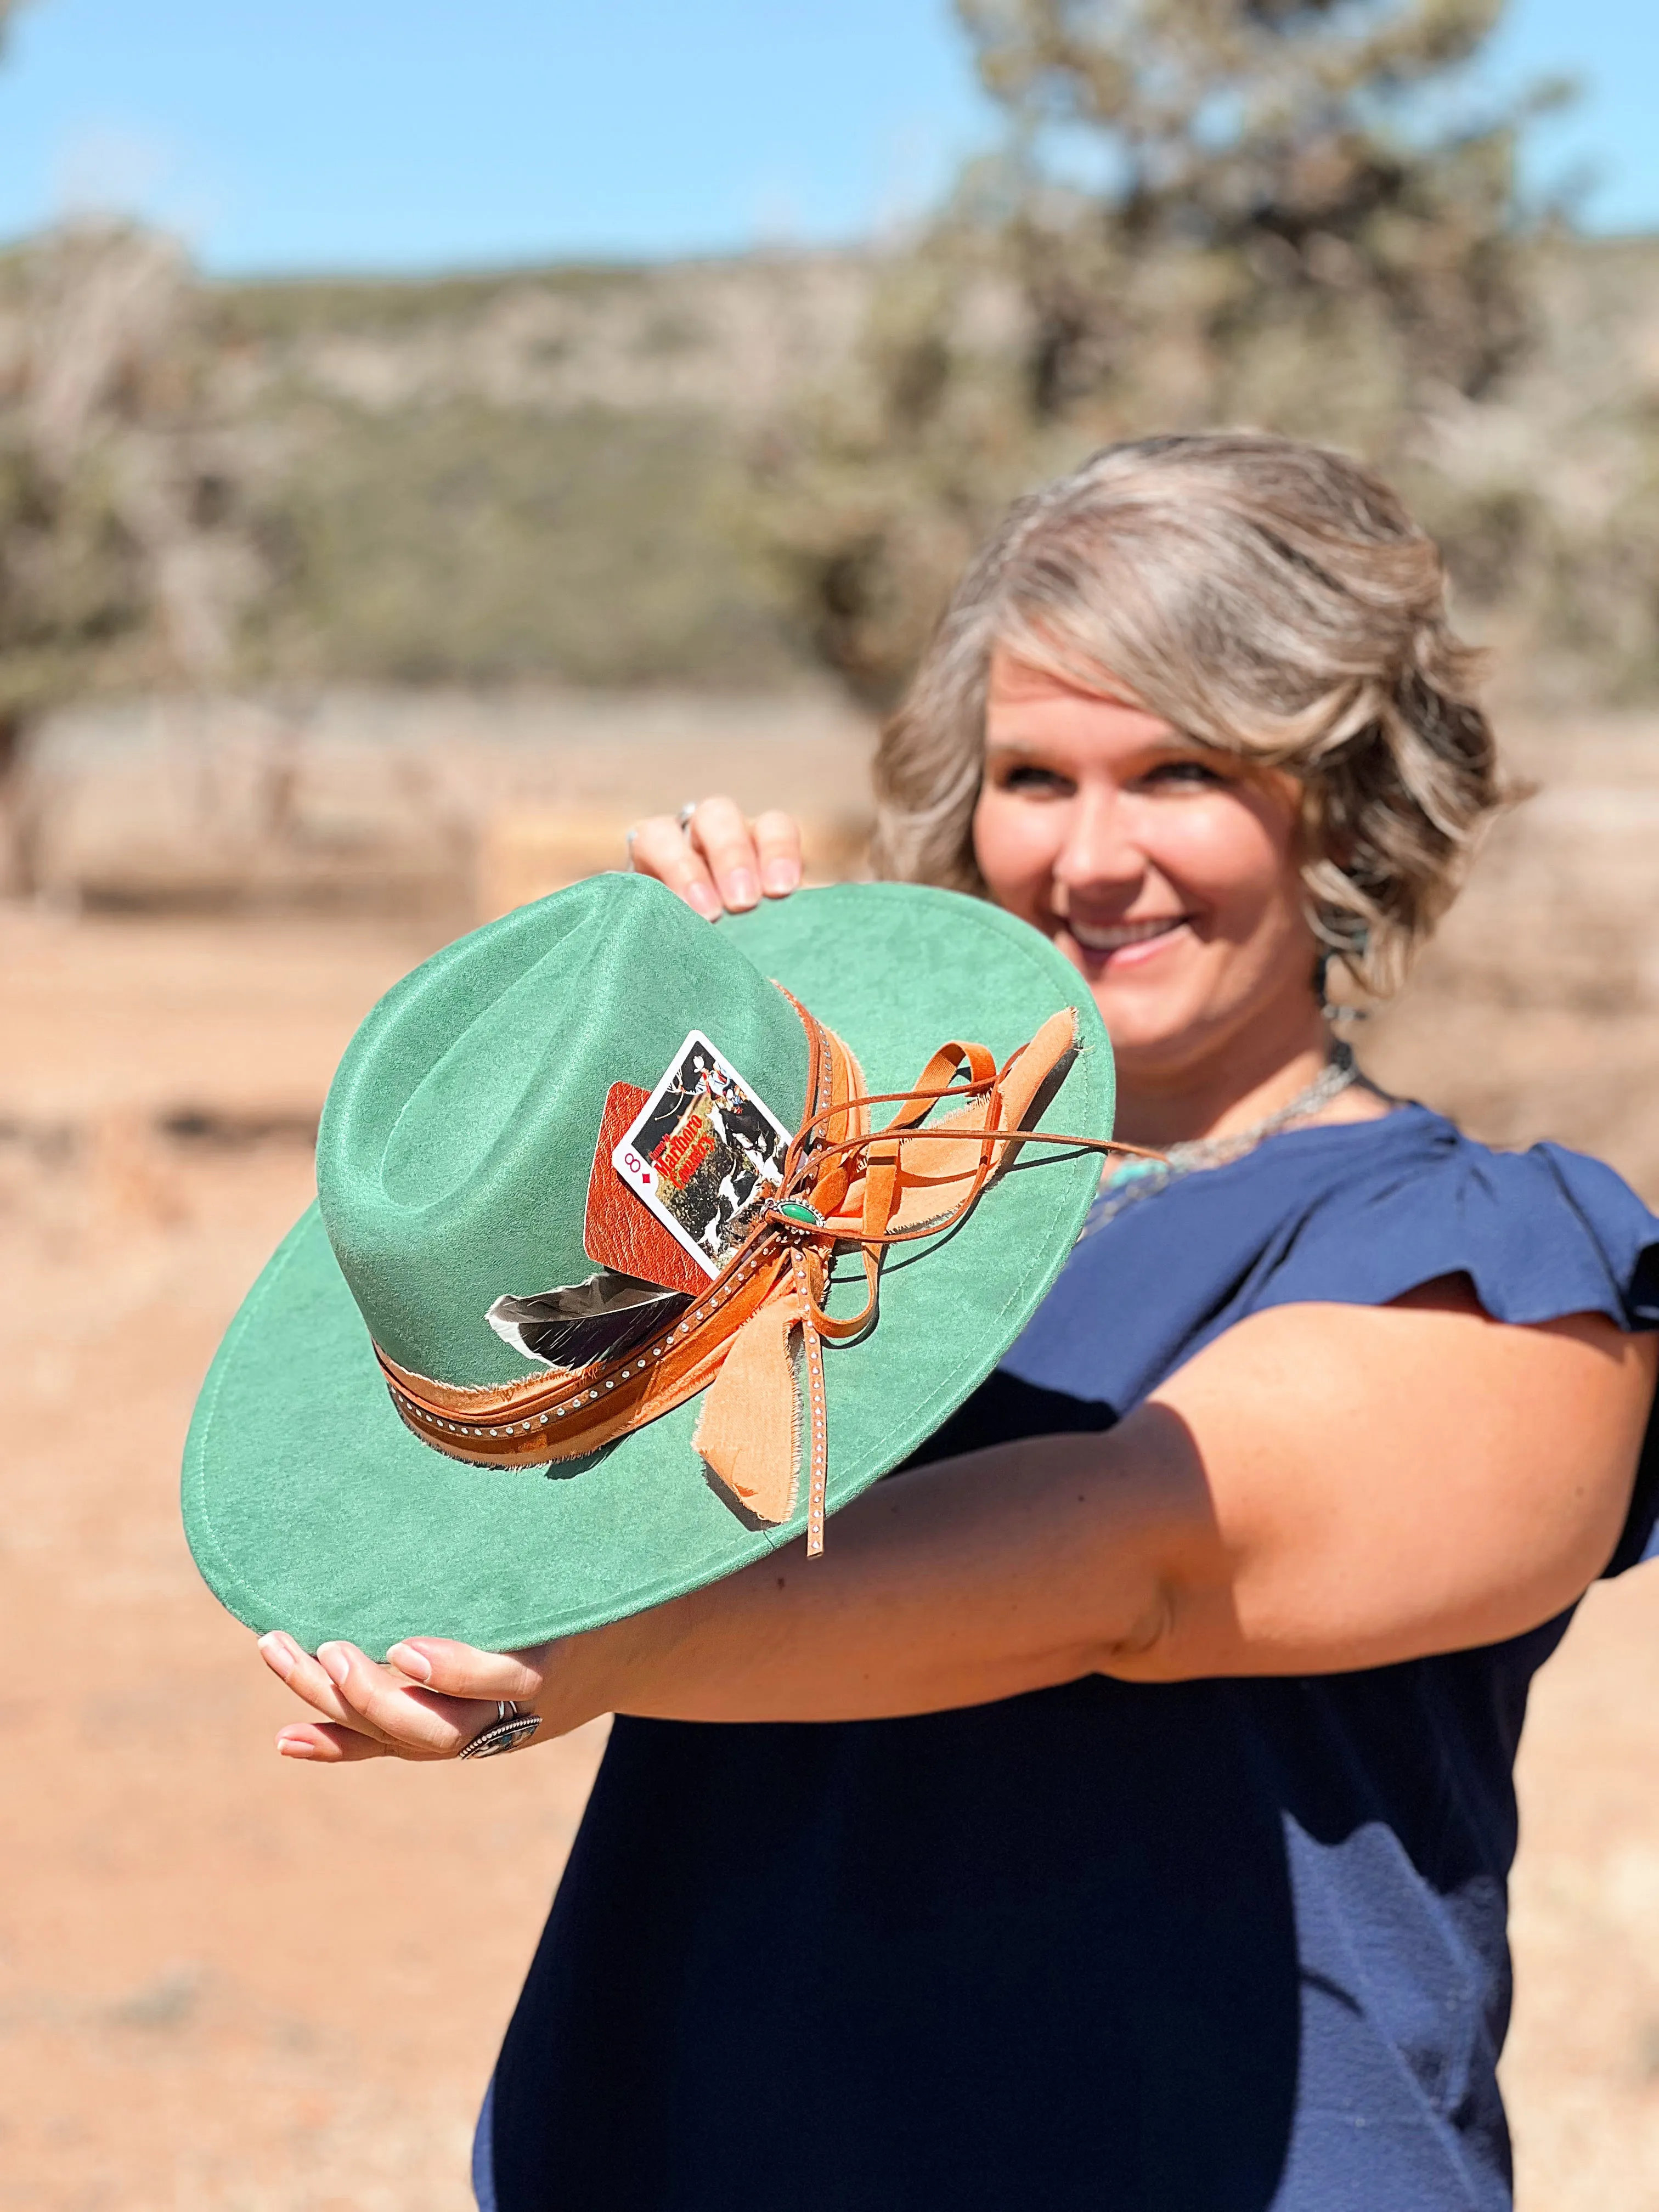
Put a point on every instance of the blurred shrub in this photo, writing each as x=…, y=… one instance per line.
x=458, y=542
x=1271, y=212
x=122, y=549
x=528, y=475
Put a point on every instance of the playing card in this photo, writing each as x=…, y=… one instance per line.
x=705, y=1153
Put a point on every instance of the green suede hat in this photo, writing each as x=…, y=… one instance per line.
x=453, y=1167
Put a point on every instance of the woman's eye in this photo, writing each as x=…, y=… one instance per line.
x=1194, y=774
x=1039, y=782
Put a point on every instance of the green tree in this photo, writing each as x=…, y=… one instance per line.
x=1273, y=212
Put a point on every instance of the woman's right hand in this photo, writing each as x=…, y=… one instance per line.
x=720, y=861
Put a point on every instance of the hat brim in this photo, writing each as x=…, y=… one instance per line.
x=310, y=1507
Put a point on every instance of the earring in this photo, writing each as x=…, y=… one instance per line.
x=1322, y=980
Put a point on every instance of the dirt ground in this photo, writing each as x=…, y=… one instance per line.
x=219, y=1989
x=231, y=1983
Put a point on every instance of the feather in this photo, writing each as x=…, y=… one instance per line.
x=602, y=1317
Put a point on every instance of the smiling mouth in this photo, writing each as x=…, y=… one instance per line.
x=1114, y=937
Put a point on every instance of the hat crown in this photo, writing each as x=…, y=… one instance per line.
x=456, y=1146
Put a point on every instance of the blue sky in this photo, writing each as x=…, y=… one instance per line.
x=405, y=135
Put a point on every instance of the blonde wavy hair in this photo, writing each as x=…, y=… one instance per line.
x=1272, y=601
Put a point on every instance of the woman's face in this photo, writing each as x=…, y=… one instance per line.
x=1170, y=879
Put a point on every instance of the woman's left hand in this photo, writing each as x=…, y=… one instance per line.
x=428, y=1701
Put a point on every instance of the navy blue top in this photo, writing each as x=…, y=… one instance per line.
x=1206, y=1946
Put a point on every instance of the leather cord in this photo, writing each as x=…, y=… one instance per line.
x=843, y=1186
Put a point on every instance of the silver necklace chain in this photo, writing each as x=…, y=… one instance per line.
x=1138, y=1179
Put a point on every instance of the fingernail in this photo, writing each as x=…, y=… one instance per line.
x=280, y=1651
x=740, y=888
x=336, y=1662
x=779, y=878
x=408, y=1661
x=703, y=897
x=297, y=1747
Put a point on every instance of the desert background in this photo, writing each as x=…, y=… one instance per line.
x=341, y=613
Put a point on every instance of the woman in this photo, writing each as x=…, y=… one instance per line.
x=1149, y=1843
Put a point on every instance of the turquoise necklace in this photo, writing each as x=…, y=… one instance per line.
x=1138, y=1179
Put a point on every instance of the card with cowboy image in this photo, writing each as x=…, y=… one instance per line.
x=704, y=1152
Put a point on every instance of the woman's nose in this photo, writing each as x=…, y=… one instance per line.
x=1099, y=849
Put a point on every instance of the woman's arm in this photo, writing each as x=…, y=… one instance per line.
x=1324, y=1487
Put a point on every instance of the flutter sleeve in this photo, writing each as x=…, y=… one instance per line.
x=1539, y=1234
x=1345, y=1215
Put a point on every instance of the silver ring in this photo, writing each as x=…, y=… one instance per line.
x=682, y=823
x=509, y=1729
